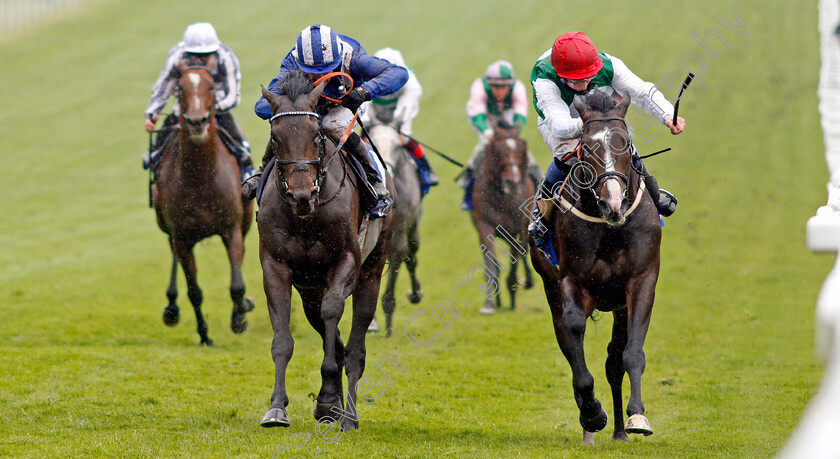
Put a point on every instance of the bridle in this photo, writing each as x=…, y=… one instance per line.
x=602, y=177
x=303, y=164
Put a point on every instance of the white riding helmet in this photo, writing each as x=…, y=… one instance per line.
x=200, y=38
x=391, y=55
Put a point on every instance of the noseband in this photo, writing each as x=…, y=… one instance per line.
x=303, y=164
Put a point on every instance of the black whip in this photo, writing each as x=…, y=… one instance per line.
x=684, y=86
x=442, y=155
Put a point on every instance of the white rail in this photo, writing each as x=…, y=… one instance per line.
x=818, y=434
x=17, y=16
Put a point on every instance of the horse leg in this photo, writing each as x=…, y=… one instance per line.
x=389, y=303
x=416, y=293
x=184, y=250
x=529, y=279
x=241, y=305
x=171, y=313
x=364, y=306
x=640, y=295
x=277, y=282
x=569, y=327
x=615, y=370
x=339, y=281
x=312, y=299
x=491, y=269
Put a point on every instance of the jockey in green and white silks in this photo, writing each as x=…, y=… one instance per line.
x=496, y=97
x=398, y=109
x=573, y=66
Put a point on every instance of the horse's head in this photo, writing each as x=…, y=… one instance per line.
x=508, y=151
x=196, y=99
x=297, y=140
x=605, y=153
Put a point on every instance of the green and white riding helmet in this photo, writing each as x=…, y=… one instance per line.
x=201, y=38
x=500, y=73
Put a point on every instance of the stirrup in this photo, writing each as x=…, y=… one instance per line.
x=667, y=203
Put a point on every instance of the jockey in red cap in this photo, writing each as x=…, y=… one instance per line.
x=574, y=66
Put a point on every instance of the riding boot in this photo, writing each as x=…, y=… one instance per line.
x=666, y=203
x=152, y=157
x=360, y=151
x=467, y=181
x=250, y=183
x=538, y=226
x=431, y=177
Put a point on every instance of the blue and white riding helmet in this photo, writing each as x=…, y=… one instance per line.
x=201, y=38
x=318, y=49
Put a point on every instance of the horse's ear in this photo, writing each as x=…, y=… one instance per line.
x=212, y=61
x=271, y=98
x=316, y=94
x=182, y=66
x=578, y=104
x=623, y=105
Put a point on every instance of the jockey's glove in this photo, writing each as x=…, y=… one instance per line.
x=354, y=99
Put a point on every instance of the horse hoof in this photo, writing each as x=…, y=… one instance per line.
x=248, y=304
x=596, y=423
x=171, y=316
x=638, y=424
x=373, y=327
x=206, y=342
x=323, y=411
x=238, y=325
x=619, y=436
x=349, y=424
x=588, y=438
x=275, y=417
x=415, y=296
x=487, y=310
x=528, y=284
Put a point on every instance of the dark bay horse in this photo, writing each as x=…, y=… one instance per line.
x=310, y=238
x=407, y=209
x=502, y=185
x=198, y=195
x=606, y=234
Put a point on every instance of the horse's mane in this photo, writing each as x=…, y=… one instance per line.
x=294, y=84
x=598, y=101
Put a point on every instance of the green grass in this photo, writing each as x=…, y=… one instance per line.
x=88, y=368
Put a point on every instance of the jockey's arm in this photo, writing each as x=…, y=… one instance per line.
x=162, y=88
x=645, y=95
x=556, y=113
x=229, y=64
x=379, y=76
x=261, y=108
x=408, y=104
x=477, y=107
x=519, y=102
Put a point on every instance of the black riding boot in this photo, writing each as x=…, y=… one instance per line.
x=433, y=178
x=240, y=149
x=666, y=203
x=359, y=150
x=538, y=226
x=249, y=185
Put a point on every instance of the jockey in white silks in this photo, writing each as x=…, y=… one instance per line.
x=398, y=110
x=200, y=43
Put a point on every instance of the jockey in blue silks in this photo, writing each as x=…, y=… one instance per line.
x=319, y=50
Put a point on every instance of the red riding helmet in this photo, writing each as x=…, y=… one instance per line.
x=575, y=57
